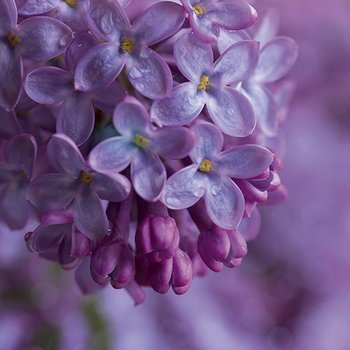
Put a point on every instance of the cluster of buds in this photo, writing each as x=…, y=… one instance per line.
x=140, y=150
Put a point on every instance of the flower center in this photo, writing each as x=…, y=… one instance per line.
x=204, y=83
x=127, y=44
x=205, y=166
x=140, y=141
x=13, y=39
x=85, y=177
x=198, y=9
x=71, y=3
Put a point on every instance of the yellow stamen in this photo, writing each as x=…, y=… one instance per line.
x=206, y=166
x=71, y=3
x=13, y=39
x=127, y=44
x=85, y=177
x=198, y=10
x=204, y=83
x=140, y=141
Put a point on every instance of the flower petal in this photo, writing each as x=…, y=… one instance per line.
x=114, y=154
x=149, y=74
x=238, y=62
x=193, y=57
x=8, y=16
x=51, y=192
x=106, y=18
x=76, y=117
x=9, y=125
x=229, y=37
x=209, y=142
x=264, y=107
x=10, y=77
x=244, y=162
x=276, y=59
x=89, y=215
x=65, y=259
x=43, y=38
x=131, y=117
x=111, y=186
x=107, y=98
x=172, y=17
x=64, y=155
x=148, y=175
x=49, y=85
x=99, y=67
x=224, y=202
x=76, y=50
x=20, y=153
x=36, y=7
x=45, y=237
x=184, y=188
x=80, y=244
x=180, y=108
x=232, y=112
x=173, y=142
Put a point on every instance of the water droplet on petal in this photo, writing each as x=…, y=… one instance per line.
x=216, y=189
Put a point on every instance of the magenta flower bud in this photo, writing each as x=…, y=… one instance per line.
x=124, y=272
x=182, y=272
x=160, y=274
x=214, y=247
x=157, y=237
x=238, y=249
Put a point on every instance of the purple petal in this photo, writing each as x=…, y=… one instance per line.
x=49, y=85
x=231, y=112
x=244, y=162
x=89, y=215
x=114, y=153
x=14, y=206
x=76, y=117
x=20, y=153
x=65, y=259
x=173, y=142
x=149, y=74
x=81, y=44
x=99, y=67
x=160, y=275
x=224, y=202
x=80, y=244
x=84, y=280
x=64, y=155
x=238, y=62
x=193, y=58
x=182, y=107
x=209, y=142
x=9, y=125
x=36, y=7
x=104, y=259
x=276, y=59
x=148, y=175
x=106, y=18
x=172, y=16
x=47, y=236
x=10, y=77
x=264, y=107
x=43, y=38
x=107, y=98
x=184, y=188
x=250, y=227
x=182, y=272
x=131, y=117
x=227, y=38
x=124, y=272
x=8, y=16
x=111, y=186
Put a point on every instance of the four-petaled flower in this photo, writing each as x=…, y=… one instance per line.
x=229, y=109
x=210, y=176
x=141, y=145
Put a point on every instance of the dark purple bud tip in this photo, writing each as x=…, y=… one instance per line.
x=182, y=272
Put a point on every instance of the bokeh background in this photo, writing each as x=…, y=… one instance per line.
x=292, y=290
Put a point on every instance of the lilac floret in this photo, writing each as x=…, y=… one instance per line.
x=209, y=84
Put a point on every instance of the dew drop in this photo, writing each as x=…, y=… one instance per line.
x=216, y=190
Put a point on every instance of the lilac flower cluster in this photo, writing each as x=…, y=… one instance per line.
x=143, y=149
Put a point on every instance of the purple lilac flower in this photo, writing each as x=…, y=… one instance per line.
x=39, y=39
x=127, y=45
x=228, y=108
x=207, y=17
x=210, y=176
x=8, y=123
x=77, y=186
x=141, y=145
x=52, y=85
x=15, y=174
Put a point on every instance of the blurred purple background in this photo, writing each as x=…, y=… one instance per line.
x=292, y=290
